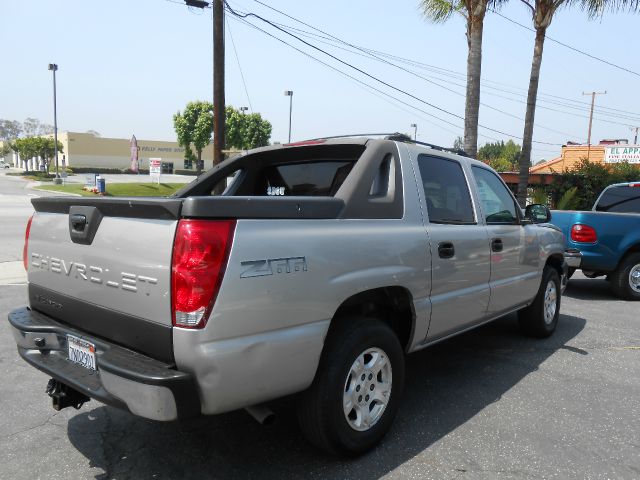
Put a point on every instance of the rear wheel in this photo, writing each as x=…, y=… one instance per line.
x=625, y=281
x=541, y=317
x=356, y=392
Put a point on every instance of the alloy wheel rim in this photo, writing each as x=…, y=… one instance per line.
x=634, y=278
x=550, y=302
x=367, y=389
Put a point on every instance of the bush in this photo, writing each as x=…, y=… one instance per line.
x=96, y=170
x=185, y=172
x=589, y=179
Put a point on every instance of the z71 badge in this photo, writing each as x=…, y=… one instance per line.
x=263, y=268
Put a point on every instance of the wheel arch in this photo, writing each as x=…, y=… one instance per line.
x=556, y=262
x=629, y=251
x=392, y=304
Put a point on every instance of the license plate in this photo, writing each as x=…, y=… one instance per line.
x=82, y=352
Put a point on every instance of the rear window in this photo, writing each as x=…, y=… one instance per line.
x=309, y=171
x=622, y=199
x=309, y=179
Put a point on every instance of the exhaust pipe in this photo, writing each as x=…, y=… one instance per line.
x=262, y=414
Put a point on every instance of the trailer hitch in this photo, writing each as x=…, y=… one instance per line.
x=64, y=396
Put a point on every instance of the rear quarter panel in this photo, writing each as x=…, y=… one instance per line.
x=617, y=232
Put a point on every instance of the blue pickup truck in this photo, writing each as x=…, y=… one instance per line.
x=606, y=240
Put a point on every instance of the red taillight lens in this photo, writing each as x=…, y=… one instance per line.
x=200, y=254
x=25, y=258
x=583, y=234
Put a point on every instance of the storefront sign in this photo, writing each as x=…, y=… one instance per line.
x=622, y=153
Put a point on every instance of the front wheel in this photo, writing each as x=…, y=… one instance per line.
x=356, y=392
x=625, y=281
x=541, y=317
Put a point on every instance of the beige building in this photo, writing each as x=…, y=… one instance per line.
x=87, y=150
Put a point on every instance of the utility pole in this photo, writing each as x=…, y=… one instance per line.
x=635, y=139
x=218, y=73
x=593, y=101
x=218, y=81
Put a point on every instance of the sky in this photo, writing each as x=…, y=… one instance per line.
x=126, y=67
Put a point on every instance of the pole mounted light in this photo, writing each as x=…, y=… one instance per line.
x=196, y=3
x=54, y=68
x=243, y=109
x=415, y=130
x=289, y=93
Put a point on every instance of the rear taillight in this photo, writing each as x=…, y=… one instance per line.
x=200, y=253
x=25, y=258
x=583, y=234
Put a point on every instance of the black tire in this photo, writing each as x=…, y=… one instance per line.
x=621, y=279
x=535, y=320
x=320, y=409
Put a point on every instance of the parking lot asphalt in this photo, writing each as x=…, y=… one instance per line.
x=488, y=404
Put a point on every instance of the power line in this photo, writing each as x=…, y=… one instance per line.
x=375, y=54
x=351, y=77
x=250, y=14
x=364, y=52
x=235, y=51
x=577, y=50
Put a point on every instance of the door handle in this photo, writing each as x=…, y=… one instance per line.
x=446, y=250
x=496, y=245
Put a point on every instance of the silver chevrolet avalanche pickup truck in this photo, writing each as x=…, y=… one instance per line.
x=314, y=271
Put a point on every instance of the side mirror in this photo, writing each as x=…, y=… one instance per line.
x=537, y=213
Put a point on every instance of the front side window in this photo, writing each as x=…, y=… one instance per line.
x=497, y=203
x=446, y=191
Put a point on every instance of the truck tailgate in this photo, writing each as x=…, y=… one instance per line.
x=115, y=281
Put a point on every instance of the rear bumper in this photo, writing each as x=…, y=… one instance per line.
x=573, y=257
x=124, y=378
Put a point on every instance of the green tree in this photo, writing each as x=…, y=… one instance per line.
x=194, y=127
x=500, y=164
x=458, y=144
x=473, y=11
x=5, y=149
x=244, y=131
x=30, y=147
x=500, y=155
x=590, y=178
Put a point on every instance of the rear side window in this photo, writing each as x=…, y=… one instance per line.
x=622, y=199
x=446, y=191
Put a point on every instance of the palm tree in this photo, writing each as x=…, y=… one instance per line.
x=473, y=11
x=542, y=12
